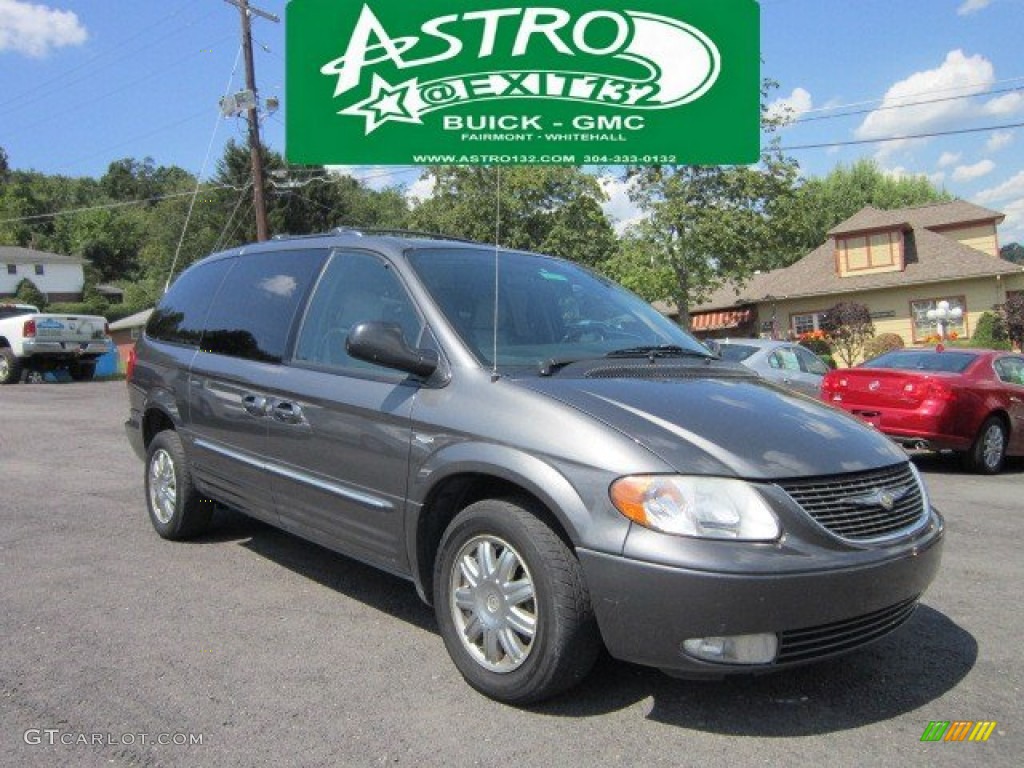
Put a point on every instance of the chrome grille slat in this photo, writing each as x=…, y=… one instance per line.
x=829, y=502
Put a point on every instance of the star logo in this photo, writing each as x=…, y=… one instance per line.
x=387, y=103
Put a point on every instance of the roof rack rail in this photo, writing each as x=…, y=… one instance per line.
x=385, y=231
x=398, y=232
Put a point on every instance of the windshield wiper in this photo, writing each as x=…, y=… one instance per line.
x=661, y=350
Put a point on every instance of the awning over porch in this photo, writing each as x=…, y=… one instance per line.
x=721, y=320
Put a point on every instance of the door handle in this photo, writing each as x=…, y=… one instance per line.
x=289, y=413
x=255, y=405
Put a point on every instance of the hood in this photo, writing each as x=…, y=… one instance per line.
x=727, y=426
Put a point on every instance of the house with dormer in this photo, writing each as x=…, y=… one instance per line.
x=899, y=263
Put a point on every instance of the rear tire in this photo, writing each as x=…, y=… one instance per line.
x=511, y=603
x=10, y=367
x=989, y=450
x=176, y=510
x=82, y=371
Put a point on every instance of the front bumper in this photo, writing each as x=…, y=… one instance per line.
x=646, y=610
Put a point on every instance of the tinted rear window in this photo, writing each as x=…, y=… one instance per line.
x=181, y=313
x=736, y=352
x=923, y=360
x=257, y=304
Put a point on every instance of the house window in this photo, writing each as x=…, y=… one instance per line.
x=807, y=322
x=40, y=270
x=871, y=251
x=923, y=327
x=12, y=269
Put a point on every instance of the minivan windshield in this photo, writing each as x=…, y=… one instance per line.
x=547, y=309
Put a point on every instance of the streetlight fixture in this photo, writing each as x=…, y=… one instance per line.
x=943, y=315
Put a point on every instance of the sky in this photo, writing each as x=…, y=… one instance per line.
x=87, y=82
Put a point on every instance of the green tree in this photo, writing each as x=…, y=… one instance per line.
x=1013, y=252
x=28, y=293
x=541, y=208
x=637, y=264
x=1013, y=318
x=848, y=328
x=819, y=204
x=714, y=225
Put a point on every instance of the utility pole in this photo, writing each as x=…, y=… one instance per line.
x=255, y=148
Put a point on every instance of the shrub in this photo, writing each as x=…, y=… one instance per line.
x=990, y=332
x=848, y=327
x=28, y=293
x=885, y=342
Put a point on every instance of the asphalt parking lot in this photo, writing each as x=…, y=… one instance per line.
x=271, y=651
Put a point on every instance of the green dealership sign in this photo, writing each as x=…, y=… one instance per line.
x=491, y=82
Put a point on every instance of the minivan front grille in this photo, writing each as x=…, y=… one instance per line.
x=829, y=639
x=863, y=506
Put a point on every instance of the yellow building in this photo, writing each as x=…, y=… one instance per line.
x=898, y=263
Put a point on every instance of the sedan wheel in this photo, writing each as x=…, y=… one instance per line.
x=989, y=450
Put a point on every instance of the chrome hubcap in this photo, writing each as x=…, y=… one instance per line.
x=993, y=446
x=492, y=600
x=163, y=486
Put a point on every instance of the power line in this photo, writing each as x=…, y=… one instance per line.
x=908, y=137
x=885, y=108
x=108, y=206
x=930, y=92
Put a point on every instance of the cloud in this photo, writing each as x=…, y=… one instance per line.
x=420, y=190
x=1009, y=189
x=893, y=119
x=788, y=109
x=1012, y=228
x=998, y=140
x=972, y=6
x=1004, y=105
x=949, y=158
x=619, y=208
x=971, y=172
x=34, y=29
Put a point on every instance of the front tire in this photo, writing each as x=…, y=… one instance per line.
x=989, y=450
x=511, y=603
x=10, y=367
x=176, y=510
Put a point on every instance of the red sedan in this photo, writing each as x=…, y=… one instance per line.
x=966, y=400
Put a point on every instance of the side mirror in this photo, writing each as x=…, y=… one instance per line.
x=384, y=344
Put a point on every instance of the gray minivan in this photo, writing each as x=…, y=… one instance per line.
x=553, y=464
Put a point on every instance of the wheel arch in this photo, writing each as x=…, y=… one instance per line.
x=480, y=472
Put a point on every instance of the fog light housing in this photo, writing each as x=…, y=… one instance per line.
x=734, y=649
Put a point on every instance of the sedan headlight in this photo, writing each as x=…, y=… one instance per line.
x=706, y=507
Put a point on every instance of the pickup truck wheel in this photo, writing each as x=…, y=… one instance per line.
x=176, y=510
x=10, y=367
x=82, y=371
x=989, y=449
x=512, y=605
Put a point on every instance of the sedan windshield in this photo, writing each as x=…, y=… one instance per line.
x=547, y=309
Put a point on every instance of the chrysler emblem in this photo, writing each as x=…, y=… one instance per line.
x=883, y=497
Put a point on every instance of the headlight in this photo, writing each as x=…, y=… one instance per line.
x=706, y=507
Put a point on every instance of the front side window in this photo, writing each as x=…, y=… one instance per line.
x=256, y=306
x=924, y=328
x=546, y=308
x=355, y=288
x=1010, y=370
x=810, y=362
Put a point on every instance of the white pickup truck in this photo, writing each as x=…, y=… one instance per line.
x=31, y=341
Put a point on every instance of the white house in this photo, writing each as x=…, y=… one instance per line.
x=60, y=278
